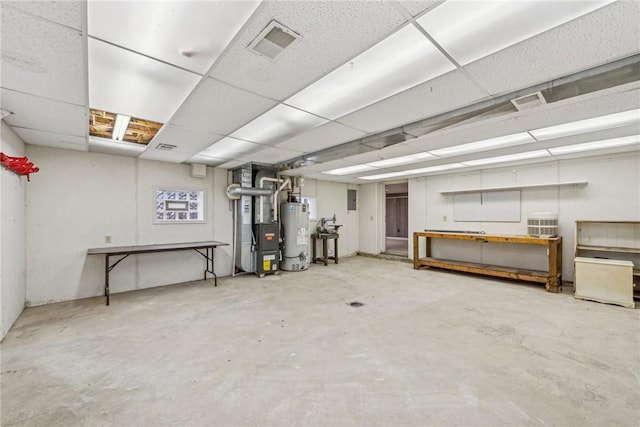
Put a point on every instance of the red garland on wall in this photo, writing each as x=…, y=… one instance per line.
x=20, y=165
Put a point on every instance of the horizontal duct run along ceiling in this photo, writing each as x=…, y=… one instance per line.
x=598, y=78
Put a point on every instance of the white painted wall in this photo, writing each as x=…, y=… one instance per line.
x=612, y=193
x=331, y=198
x=12, y=234
x=81, y=197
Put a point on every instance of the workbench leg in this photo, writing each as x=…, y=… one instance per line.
x=313, y=249
x=335, y=249
x=325, y=251
x=554, y=268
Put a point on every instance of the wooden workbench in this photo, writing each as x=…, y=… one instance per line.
x=552, y=278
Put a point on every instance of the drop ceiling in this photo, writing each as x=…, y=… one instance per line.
x=364, y=81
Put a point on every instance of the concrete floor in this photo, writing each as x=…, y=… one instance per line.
x=396, y=246
x=427, y=348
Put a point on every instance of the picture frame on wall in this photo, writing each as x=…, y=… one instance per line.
x=179, y=205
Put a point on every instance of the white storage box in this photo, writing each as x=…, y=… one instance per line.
x=604, y=280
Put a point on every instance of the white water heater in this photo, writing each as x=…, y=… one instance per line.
x=294, y=218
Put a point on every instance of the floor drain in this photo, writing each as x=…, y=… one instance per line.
x=356, y=304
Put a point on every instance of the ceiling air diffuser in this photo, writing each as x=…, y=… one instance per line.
x=273, y=40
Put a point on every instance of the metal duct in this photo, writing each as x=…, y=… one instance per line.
x=602, y=77
x=245, y=258
x=235, y=191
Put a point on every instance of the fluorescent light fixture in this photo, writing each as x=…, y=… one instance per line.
x=120, y=127
x=399, y=62
x=508, y=158
x=589, y=125
x=596, y=145
x=404, y=160
x=431, y=169
x=470, y=30
x=383, y=176
x=229, y=148
x=278, y=124
x=207, y=160
x=486, y=144
x=349, y=170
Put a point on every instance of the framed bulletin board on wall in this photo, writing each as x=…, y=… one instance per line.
x=175, y=206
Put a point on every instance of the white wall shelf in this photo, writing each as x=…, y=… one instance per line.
x=515, y=187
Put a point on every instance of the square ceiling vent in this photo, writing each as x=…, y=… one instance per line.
x=528, y=102
x=273, y=40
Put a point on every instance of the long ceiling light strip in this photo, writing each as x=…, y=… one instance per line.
x=469, y=31
x=487, y=144
x=349, y=170
x=508, y=158
x=399, y=62
x=589, y=125
x=383, y=176
x=595, y=145
x=120, y=127
x=403, y=160
x=278, y=124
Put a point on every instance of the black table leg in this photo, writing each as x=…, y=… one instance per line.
x=107, y=269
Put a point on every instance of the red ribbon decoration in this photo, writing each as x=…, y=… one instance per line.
x=20, y=165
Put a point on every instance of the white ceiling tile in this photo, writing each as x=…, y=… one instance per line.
x=231, y=148
x=219, y=108
x=417, y=7
x=232, y=164
x=116, y=148
x=442, y=94
x=47, y=139
x=277, y=125
x=190, y=34
x=69, y=13
x=42, y=58
x=401, y=61
x=207, y=160
x=37, y=113
x=607, y=34
x=324, y=136
x=187, y=141
x=127, y=83
x=580, y=108
x=347, y=29
x=471, y=30
x=271, y=155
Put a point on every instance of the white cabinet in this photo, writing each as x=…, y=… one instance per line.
x=607, y=261
x=604, y=280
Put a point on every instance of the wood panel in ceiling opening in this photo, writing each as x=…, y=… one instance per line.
x=139, y=131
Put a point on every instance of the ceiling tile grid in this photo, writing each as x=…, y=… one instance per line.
x=324, y=136
x=219, y=108
x=189, y=34
x=48, y=139
x=124, y=82
x=346, y=29
x=187, y=142
x=69, y=13
x=42, y=58
x=44, y=114
x=417, y=7
x=606, y=34
x=442, y=94
x=271, y=155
